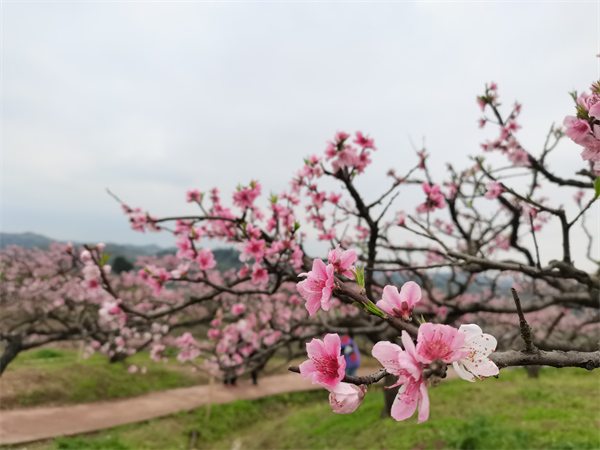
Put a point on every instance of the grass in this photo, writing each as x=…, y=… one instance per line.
x=560, y=410
x=50, y=376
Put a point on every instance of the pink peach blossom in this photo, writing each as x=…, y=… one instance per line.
x=244, y=198
x=404, y=364
x=439, y=341
x=364, y=141
x=317, y=287
x=206, y=259
x=259, y=275
x=494, y=190
x=334, y=198
x=252, y=249
x=238, y=309
x=400, y=304
x=345, y=398
x=434, y=199
x=519, y=157
x=329, y=236
x=401, y=218
x=193, y=195
x=576, y=128
x=341, y=136
x=326, y=366
x=342, y=261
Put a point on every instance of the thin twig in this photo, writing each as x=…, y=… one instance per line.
x=537, y=250
x=366, y=380
x=526, y=333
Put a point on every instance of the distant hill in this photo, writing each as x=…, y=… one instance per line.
x=27, y=240
x=226, y=258
x=480, y=284
x=32, y=240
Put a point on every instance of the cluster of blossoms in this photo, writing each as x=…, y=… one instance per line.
x=327, y=368
x=494, y=189
x=344, y=155
x=467, y=349
x=344, y=159
x=435, y=199
x=254, y=326
x=506, y=142
x=319, y=283
x=584, y=128
x=91, y=271
x=245, y=196
x=140, y=220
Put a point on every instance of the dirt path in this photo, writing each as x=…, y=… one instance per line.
x=27, y=425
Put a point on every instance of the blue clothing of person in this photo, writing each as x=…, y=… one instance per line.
x=351, y=355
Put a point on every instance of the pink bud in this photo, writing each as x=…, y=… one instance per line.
x=345, y=398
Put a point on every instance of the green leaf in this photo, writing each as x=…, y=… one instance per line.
x=359, y=276
x=104, y=259
x=296, y=226
x=573, y=96
x=359, y=305
x=374, y=309
x=582, y=113
x=597, y=187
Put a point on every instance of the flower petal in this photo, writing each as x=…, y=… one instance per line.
x=423, y=403
x=388, y=354
x=410, y=293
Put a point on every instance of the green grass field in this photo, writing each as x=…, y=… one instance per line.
x=559, y=410
x=50, y=376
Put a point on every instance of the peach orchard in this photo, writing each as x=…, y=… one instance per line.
x=460, y=280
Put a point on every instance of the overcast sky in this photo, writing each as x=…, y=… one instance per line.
x=152, y=99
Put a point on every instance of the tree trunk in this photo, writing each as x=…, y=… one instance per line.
x=533, y=371
x=118, y=357
x=10, y=352
x=389, y=395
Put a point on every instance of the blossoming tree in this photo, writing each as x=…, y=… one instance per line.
x=460, y=278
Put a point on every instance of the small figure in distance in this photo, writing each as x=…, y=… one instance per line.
x=351, y=355
x=230, y=379
x=256, y=370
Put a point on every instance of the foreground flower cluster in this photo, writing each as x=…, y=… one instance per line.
x=467, y=348
x=437, y=345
